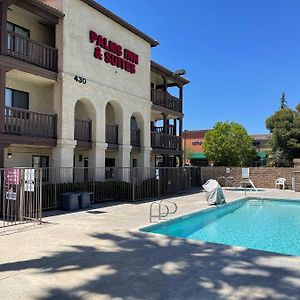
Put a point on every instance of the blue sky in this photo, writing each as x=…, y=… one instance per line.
x=239, y=55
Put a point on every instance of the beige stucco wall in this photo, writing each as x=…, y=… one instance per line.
x=110, y=115
x=40, y=96
x=82, y=112
x=128, y=93
x=156, y=79
x=39, y=32
x=22, y=155
x=78, y=51
x=152, y=160
x=84, y=154
x=111, y=154
x=137, y=157
x=97, y=96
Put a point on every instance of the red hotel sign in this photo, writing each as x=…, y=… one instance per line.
x=114, y=53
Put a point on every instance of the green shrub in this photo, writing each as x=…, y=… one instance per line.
x=102, y=191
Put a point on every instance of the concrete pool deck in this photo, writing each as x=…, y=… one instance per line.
x=100, y=254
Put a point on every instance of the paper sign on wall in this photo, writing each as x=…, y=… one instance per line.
x=245, y=173
x=29, y=176
x=157, y=174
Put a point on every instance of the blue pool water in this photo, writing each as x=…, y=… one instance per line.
x=270, y=225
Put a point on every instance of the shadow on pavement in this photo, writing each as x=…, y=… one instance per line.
x=146, y=266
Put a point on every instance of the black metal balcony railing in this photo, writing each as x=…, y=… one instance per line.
x=135, y=137
x=83, y=130
x=165, y=141
x=31, y=51
x=112, y=134
x=28, y=123
x=160, y=98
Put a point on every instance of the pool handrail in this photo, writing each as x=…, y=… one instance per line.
x=161, y=214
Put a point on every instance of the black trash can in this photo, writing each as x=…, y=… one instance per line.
x=85, y=200
x=70, y=201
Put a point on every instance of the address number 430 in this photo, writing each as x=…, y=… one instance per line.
x=80, y=79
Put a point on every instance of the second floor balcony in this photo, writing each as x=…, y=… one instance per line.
x=112, y=134
x=31, y=51
x=24, y=122
x=83, y=130
x=165, y=141
x=166, y=100
x=135, y=137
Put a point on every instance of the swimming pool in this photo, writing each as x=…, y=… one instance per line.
x=270, y=225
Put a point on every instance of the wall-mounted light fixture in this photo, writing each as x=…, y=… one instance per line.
x=9, y=154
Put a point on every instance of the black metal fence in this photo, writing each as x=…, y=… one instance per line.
x=120, y=184
x=20, y=196
x=25, y=192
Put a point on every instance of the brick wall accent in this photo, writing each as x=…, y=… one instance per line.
x=262, y=177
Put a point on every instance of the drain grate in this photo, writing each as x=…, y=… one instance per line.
x=96, y=212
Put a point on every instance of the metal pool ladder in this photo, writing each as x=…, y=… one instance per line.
x=254, y=187
x=163, y=209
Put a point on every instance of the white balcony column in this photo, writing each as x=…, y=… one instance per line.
x=64, y=106
x=123, y=163
x=97, y=161
x=63, y=160
x=123, y=158
x=144, y=163
x=145, y=157
x=145, y=154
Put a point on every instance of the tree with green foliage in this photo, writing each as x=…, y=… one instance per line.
x=284, y=125
x=188, y=153
x=228, y=144
x=283, y=102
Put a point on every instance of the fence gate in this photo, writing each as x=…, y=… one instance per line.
x=21, y=196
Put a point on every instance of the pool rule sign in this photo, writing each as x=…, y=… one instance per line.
x=113, y=53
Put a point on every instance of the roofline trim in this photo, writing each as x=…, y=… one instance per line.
x=121, y=22
x=46, y=7
x=169, y=73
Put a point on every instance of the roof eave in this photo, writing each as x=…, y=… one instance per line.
x=55, y=12
x=157, y=67
x=120, y=21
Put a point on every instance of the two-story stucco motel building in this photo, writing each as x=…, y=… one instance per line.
x=78, y=88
